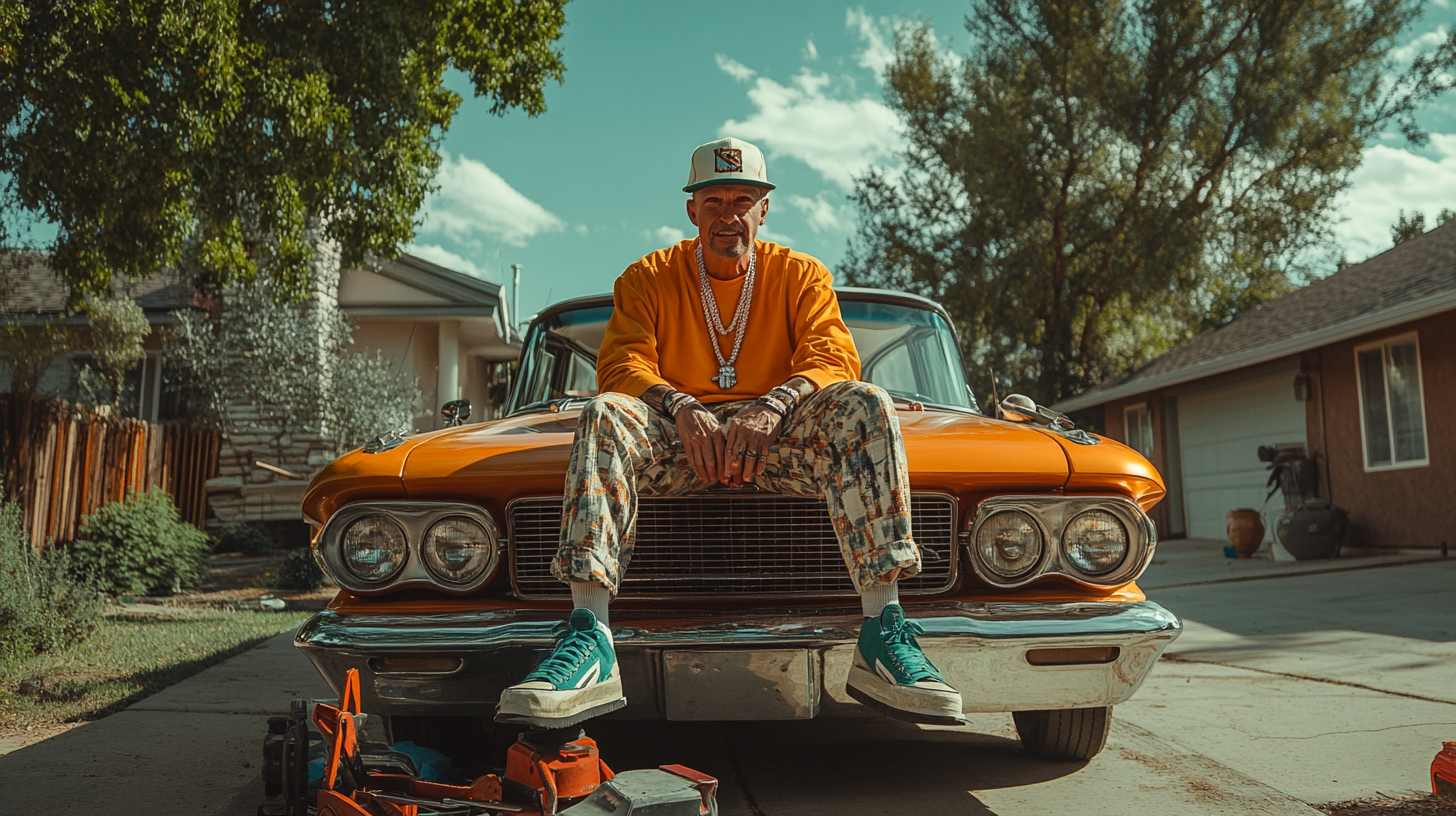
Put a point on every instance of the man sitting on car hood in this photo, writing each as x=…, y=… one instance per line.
x=726, y=361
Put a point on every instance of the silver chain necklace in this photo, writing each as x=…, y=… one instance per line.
x=727, y=376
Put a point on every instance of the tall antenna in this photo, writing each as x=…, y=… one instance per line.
x=995, y=398
x=515, y=296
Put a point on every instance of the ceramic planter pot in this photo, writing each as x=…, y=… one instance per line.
x=1245, y=531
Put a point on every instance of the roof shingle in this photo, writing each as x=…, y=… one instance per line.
x=1421, y=267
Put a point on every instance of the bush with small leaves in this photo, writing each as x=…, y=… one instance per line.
x=299, y=571
x=247, y=539
x=141, y=546
x=44, y=605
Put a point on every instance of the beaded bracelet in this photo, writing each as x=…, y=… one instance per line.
x=773, y=404
x=676, y=401
x=788, y=396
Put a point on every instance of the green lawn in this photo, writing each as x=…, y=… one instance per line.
x=128, y=658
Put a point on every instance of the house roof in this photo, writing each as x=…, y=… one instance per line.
x=35, y=291
x=418, y=288
x=412, y=289
x=1415, y=279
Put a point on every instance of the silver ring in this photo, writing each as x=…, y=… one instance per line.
x=740, y=451
x=752, y=454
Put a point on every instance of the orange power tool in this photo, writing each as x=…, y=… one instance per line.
x=547, y=773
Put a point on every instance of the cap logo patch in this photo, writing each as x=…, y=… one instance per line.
x=727, y=160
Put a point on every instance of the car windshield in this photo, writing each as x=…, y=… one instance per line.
x=907, y=350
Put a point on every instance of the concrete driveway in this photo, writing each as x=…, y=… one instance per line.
x=1287, y=688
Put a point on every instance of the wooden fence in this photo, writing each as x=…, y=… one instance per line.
x=62, y=461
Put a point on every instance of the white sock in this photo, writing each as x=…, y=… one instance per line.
x=875, y=599
x=593, y=597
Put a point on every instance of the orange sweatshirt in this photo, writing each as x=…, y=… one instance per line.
x=658, y=333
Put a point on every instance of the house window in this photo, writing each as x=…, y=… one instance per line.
x=1392, y=415
x=1139, y=428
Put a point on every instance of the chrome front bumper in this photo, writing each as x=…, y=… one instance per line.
x=760, y=666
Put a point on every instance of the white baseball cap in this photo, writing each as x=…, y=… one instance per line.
x=727, y=161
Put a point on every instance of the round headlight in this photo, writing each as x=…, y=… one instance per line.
x=374, y=548
x=1009, y=544
x=1095, y=542
x=458, y=549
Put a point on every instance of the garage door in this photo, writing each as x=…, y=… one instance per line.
x=1220, y=433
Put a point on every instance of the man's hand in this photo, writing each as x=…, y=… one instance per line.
x=750, y=434
x=702, y=440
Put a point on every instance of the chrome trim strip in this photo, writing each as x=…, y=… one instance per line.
x=483, y=630
x=1052, y=514
x=979, y=647
x=416, y=519
x=952, y=576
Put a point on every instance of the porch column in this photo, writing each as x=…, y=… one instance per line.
x=449, y=364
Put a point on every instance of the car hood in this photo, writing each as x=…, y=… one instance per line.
x=492, y=463
x=498, y=461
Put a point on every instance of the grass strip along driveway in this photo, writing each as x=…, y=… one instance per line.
x=129, y=657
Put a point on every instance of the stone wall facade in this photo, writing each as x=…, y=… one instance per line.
x=245, y=492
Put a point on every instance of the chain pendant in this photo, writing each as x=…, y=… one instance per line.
x=727, y=377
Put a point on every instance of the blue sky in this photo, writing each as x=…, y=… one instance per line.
x=577, y=194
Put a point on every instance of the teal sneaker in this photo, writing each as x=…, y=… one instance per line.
x=577, y=681
x=891, y=674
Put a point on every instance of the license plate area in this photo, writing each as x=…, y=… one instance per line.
x=765, y=684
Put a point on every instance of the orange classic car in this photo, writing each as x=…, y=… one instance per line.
x=737, y=604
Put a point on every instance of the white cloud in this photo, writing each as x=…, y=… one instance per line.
x=472, y=199
x=821, y=215
x=667, y=235
x=839, y=138
x=1389, y=180
x=1428, y=41
x=434, y=253
x=582, y=229
x=735, y=69
x=878, y=53
x=810, y=52
x=765, y=234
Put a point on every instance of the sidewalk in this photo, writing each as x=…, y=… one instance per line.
x=194, y=748
x=1198, y=561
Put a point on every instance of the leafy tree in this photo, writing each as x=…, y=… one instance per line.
x=1405, y=228
x=118, y=327
x=290, y=361
x=27, y=352
x=136, y=127
x=1094, y=181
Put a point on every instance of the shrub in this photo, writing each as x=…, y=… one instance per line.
x=43, y=605
x=247, y=539
x=140, y=546
x=299, y=571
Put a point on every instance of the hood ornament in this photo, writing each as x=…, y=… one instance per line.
x=1023, y=409
x=385, y=441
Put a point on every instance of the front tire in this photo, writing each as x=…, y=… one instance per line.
x=1068, y=734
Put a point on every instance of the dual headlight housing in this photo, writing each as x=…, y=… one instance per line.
x=378, y=547
x=1092, y=540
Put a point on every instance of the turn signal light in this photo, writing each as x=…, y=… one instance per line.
x=415, y=665
x=1078, y=656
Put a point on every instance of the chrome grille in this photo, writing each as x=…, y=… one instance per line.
x=753, y=544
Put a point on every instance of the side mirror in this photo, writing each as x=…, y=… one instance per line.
x=455, y=412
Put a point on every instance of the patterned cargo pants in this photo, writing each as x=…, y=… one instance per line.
x=843, y=443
